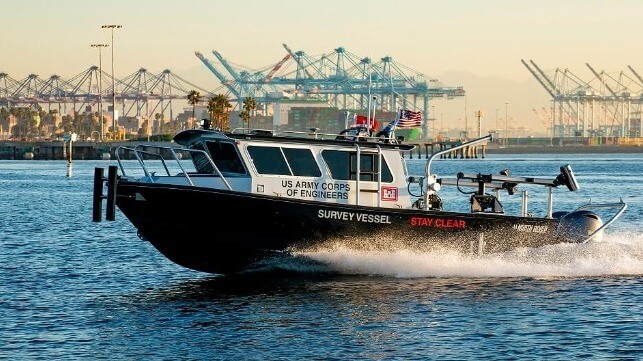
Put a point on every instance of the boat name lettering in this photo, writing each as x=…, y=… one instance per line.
x=533, y=228
x=438, y=222
x=351, y=216
x=312, y=189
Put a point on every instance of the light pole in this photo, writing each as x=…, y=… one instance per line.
x=506, y=120
x=479, y=115
x=112, y=27
x=100, y=85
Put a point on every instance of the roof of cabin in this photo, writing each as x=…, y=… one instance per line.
x=189, y=136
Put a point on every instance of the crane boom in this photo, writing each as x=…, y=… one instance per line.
x=276, y=68
x=546, y=122
x=542, y=73
x=539, y=79
x=225, y=64
x=298, y=60
x=599, y=77
x=636, y=74
x=227, y=83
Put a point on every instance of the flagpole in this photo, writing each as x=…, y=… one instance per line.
x=368, y=112
x=371, y=122
x=346, y=119
x=397, y=119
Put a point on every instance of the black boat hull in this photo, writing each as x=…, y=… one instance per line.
x=223, y=232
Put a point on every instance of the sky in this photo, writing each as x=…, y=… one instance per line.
x=465, y=41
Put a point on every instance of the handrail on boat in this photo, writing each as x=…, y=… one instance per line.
x=138, y=151
x=255, y=131
x=430, y=181
x=313, y=133
x=427, y=169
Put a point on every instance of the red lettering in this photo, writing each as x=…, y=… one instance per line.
x=421, y=221
x=438, y=222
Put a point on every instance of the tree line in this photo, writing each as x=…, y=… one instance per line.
x=37, y=123
x=218, y=107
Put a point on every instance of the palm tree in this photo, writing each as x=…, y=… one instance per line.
x=249, y=105
x=194, y=97
x=159, y=121
x=218, y=107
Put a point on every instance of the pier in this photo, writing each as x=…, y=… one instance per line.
x=59, y=150
x=424, y=150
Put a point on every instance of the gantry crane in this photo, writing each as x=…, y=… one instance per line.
x=275, y=69
x=222, y=78
x=576, y=101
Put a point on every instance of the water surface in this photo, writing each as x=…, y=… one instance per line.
x=74, y=289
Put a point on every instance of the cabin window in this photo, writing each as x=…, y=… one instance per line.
x=284, y=161
x=343, y=165
x=200, y=160
x=225, y=157
x=302, y=162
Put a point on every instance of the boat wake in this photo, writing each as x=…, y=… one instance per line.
x=617, y=254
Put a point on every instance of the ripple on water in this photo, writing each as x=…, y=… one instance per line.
x=74, y=289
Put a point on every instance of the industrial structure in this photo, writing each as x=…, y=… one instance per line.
x=139, y=94
x=606, y=105
x=337, y=79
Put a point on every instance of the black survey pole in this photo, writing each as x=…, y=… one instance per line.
x=98, y=195
x=110, y=213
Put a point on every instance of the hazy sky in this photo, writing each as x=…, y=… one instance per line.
x=486, y=37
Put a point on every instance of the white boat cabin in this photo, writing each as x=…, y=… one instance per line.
x=366, y=172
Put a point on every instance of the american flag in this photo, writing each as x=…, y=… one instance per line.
x=409, y=119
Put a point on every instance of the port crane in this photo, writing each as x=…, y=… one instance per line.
x=577, y=102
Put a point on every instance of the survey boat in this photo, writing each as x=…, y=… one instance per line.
x=229, y=202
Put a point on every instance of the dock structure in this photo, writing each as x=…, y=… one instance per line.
x=468, y=152
x=82, y=150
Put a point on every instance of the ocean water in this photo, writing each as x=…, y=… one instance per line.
x=72, y=289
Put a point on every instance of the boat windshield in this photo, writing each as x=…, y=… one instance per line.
x=223, y=154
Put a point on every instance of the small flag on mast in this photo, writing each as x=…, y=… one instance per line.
x=409, y=119
x=374, y=124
